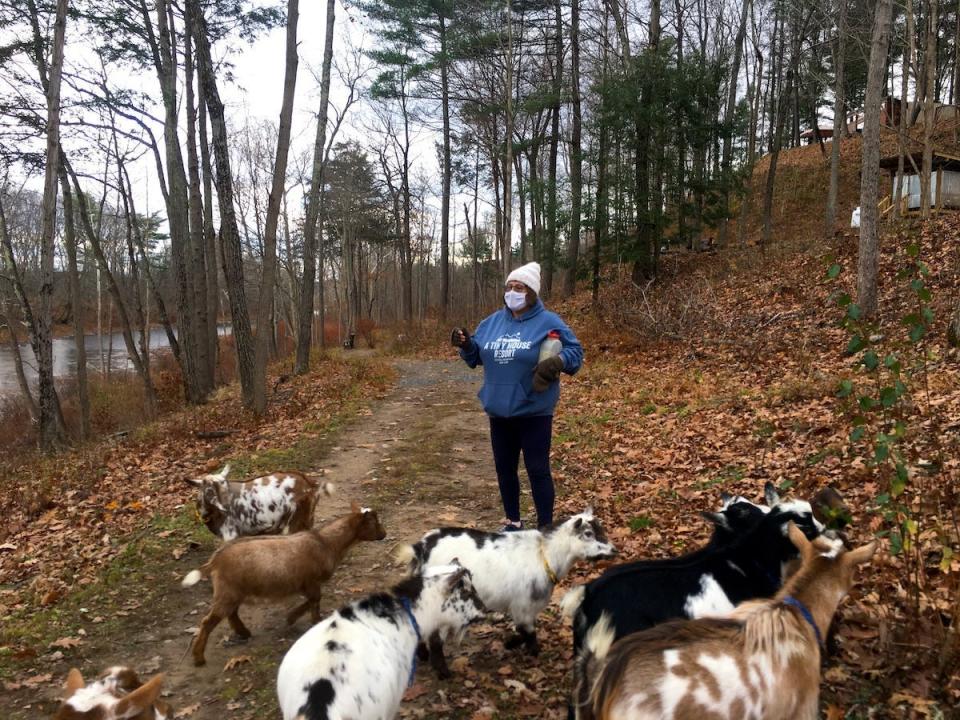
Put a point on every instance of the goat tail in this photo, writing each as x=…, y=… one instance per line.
x=572, y=601
x=600, y=637
x=327, y=488
x=195, y=576
x=406, y=554
x=587, y=668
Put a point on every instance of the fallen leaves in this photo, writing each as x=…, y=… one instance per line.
x=236, y=661
x=186, y=711
x=66, y=643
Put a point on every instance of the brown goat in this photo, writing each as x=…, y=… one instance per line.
x=117, y=695
x=276, y=566
x=760, y=662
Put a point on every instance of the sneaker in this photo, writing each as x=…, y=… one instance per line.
x=512, y=526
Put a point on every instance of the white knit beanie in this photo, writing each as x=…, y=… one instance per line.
x=528, y=274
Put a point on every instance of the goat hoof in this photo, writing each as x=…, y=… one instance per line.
x=236, y=640
x=199, y=662
x=422, y=652
x=514, y=641
x=444, y=673
x=533, y=649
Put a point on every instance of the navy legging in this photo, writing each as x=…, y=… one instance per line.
x=531, y=435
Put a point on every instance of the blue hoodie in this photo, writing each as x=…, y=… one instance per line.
x=508, y=349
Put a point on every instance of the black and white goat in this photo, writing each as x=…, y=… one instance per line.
x=356, y=664
x=514, y=572
x=274, y=504
x=747, y=560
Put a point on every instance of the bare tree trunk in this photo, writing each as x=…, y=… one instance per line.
x=929, y=106
x=268, y=278
x=776, y=140
x=728, y=118
x=177, y=201
x=304, y=331
x=447, y=172
x=197, y=241
x=51, y=425
x=507, y=234
x=210, y=242
x=231, y=248
x=904, y=109
x=839, y=118
x=76, y=301
x=643, y=266
x=576, y=155
x=754, y=94
x=869, y=251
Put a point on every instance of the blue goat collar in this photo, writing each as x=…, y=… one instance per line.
x=405, y=604
x=807, y=615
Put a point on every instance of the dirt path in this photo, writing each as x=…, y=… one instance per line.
x=421, y=458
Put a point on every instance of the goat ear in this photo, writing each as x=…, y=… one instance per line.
x=355, y=507
x=222, y=475
x=725, y=497
x=770, y=494
x=588, y=511
x=862, y=554
x=136, y=702
x=717, y=518
x=196, y=482
x=74, y=682
x=799, y=540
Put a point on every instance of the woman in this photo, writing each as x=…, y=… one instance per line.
x=520, y=391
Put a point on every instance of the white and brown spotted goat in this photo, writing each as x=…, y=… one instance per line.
x=274, y=504
x=761, y=662
x=117, y=695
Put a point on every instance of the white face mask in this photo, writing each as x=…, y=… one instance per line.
x=515, y=300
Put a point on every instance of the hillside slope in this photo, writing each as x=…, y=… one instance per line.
x=727, y=372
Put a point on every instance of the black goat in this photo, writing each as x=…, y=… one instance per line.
x=744, y=559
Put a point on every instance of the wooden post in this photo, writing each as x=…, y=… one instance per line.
x=939, y=188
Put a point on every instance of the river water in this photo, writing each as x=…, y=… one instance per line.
x=65, y=357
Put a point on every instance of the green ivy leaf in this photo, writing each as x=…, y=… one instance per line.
x=892, y=363
x=834, y=271
x=913, y=249
x=881, y=453
x=896, y=543
x=927, y=314
x=844, y=299
x=925, y=295
x=870, y=360
x=845, y=389
x=888, y=397
x=883, y=499
x=854, y=312
x=899, y=482
x=917, y=332
x=856, y=343
x=866, y=402
x=857, y=434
